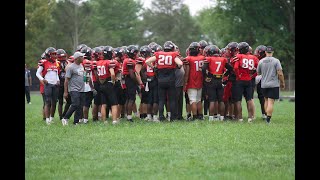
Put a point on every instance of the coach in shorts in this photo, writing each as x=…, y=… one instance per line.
x=271, y=72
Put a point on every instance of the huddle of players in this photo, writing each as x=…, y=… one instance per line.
x=220, y=77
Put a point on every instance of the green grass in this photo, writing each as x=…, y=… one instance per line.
x=146, y=150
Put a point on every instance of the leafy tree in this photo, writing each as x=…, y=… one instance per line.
x=170, y=20
x=116, y=23
x=256, y=22
x=37, y=16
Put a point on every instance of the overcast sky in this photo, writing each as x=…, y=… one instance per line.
x=194, y=5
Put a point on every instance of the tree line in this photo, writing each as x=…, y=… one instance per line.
x=68, y=23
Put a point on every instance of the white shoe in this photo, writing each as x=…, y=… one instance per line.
x=156, y=120
x=250, y=120
x=85, y=121
x=48, y=121
x=115, y=122
x=64, y=122
x=80, y=121
x=240, y=120
x=29, y=103
x=147, y=118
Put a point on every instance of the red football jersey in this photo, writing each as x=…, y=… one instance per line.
x=128, y=62
x=117, y=67
x=244, y=63
x=165, y=60
x=216, y=64
x=149, y=70
x=49, y=66
x=195, y=63
x=103, y=67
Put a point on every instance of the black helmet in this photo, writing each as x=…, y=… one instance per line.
x=145, y=51
x=80, y=46
x=213, y=50
x=203, y=44
x=108, y=52
x=260, y=51
x=169, y=46
x=43, y=55
x=132, y=51
x=87, y=52
x=243, y=47
x=194, y=48
x=97, y=52
x=119, y=51
x=232, y=47
x=48, y=51
x=61, y=54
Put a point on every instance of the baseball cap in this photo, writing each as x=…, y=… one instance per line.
x=78, y=54
x=269, y=49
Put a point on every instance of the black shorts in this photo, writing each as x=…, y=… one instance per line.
x=240, y=88
x=120, y=93
x=215, y=90
x=131, y=88
x=51, y=92
x=97, y=98
x=88, y=99
x=144, y=95
x=108, y=95
x=272, y=93
x=153, y=97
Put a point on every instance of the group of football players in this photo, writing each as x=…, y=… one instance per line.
x=213, y=80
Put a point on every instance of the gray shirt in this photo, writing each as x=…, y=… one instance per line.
x=27, y=75
x=75, y=73
x=179, y=77
x=268, y=68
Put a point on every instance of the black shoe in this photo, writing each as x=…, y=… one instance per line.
x=162, y=118
x=130, y=120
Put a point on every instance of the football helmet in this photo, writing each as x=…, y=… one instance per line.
x=259, y=52
x=243, y=47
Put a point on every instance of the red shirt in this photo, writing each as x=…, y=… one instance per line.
x=216, y=64
x=149, y=70
x=165, y=60
x=103, y=67
x=243, y=65
x=195, y=63
x=128, y=63
x=49, y=66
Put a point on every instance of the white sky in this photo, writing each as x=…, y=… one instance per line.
x=194, y=5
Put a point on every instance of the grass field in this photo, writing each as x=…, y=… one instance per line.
x=146, y=150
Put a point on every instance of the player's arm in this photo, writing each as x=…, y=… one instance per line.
x=205, y=67
x=187, y=70
x=150, y=61
x=178, y=62
x=281, y=78
x=38, y=74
